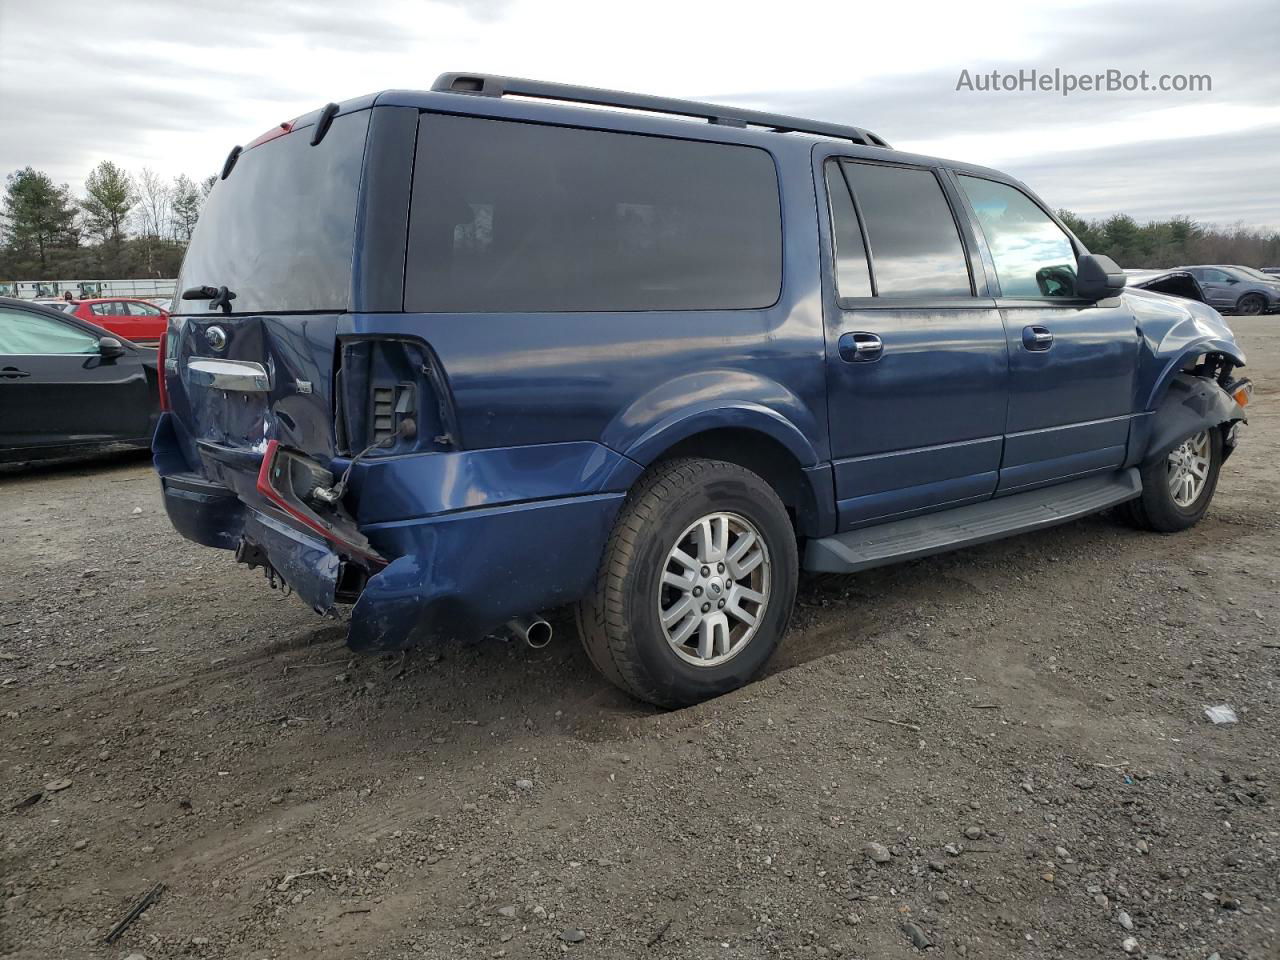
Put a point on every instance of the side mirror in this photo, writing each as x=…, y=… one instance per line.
x=110, y=348
x=1098, y=277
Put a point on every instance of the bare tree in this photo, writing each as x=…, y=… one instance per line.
x=155, y=202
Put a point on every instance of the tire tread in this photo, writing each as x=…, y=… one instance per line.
x=602, y=615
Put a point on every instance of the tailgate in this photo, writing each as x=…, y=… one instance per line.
x=238, y=382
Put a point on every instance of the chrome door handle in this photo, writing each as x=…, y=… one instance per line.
x=860, y=347
x=1037, y=338
x=240, y=375
x=13, y=373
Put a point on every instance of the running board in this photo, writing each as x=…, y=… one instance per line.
x=933, y=533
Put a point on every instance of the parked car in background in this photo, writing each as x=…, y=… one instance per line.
x=1271, y=271
x=69, y=386
x=130, y=317
x=488, y=351
x=1241, y=290
x=1176, y=283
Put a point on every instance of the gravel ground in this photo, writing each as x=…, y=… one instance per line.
x=998, y=753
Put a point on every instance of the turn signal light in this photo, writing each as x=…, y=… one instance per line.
x=1243, y=394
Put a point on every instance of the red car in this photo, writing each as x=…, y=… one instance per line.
x=138, y=320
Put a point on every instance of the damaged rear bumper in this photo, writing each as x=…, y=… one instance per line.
x=460, y=575
x=214, y=516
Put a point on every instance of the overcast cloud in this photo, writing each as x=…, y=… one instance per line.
x=174, y=85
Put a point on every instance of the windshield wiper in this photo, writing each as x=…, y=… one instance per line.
x=217, y=296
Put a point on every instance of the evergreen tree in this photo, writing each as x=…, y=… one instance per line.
x=109, y=196
x=39, y=221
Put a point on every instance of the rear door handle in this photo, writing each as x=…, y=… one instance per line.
x=860, y=347
x=1037, y=338
x=13, y=373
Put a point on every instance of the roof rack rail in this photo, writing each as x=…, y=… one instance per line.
x=489, y=85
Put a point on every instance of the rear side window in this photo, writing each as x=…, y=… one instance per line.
x=915, y=245
x=853, y=279
x=517, y=217
x=1033, y=257
x=279, y=231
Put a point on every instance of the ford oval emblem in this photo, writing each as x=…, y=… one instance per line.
x=216, y=336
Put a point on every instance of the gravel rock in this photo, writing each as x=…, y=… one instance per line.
x=919, y=939
x=508, y=912
x=973, y=833
x=523, y=784
x=1124, y=920
x=1129, y=945
x=876, y=852
x=572, y=935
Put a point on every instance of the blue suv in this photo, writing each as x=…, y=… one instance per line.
x=464, y=356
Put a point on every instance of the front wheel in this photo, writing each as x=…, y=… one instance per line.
x=1250, y=305
x=1176, y=489
x=696, y=586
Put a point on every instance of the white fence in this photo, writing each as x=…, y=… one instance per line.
x=31, y=289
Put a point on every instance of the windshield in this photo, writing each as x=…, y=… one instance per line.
x=279, y=231
x=1255, y=274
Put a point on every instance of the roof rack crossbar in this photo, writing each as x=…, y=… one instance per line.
x=489, y=85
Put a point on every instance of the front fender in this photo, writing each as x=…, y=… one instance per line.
x=1174, y=332
x=710, y=400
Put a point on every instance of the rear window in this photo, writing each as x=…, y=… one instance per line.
x=516, y=217
x=279, y=231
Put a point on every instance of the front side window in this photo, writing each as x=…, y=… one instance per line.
x=915, y=245
x=523, y=217
x=141, y=309
x=1216, y=276
x=29, y=334
x=1033, y=256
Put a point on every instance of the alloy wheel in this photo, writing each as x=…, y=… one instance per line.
x=714, y=589
x=1189, y=469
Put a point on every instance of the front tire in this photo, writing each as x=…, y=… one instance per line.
x=1250, y=305
x=1177, y=488
x=697, y=584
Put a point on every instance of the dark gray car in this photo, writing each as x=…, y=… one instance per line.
x=1242, y=290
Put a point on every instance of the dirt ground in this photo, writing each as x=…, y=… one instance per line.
x=1020, y=725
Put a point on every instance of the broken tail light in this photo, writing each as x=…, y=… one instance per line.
x=288, y=479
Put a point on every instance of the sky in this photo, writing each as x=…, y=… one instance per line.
x=174, y=85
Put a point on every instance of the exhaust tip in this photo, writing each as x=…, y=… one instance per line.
x=534, y=631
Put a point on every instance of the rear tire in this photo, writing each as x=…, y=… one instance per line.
x=696, y=586
x=1176, y=489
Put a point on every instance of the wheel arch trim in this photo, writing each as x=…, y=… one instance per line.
x=1173, y=367
x=1190, y=404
